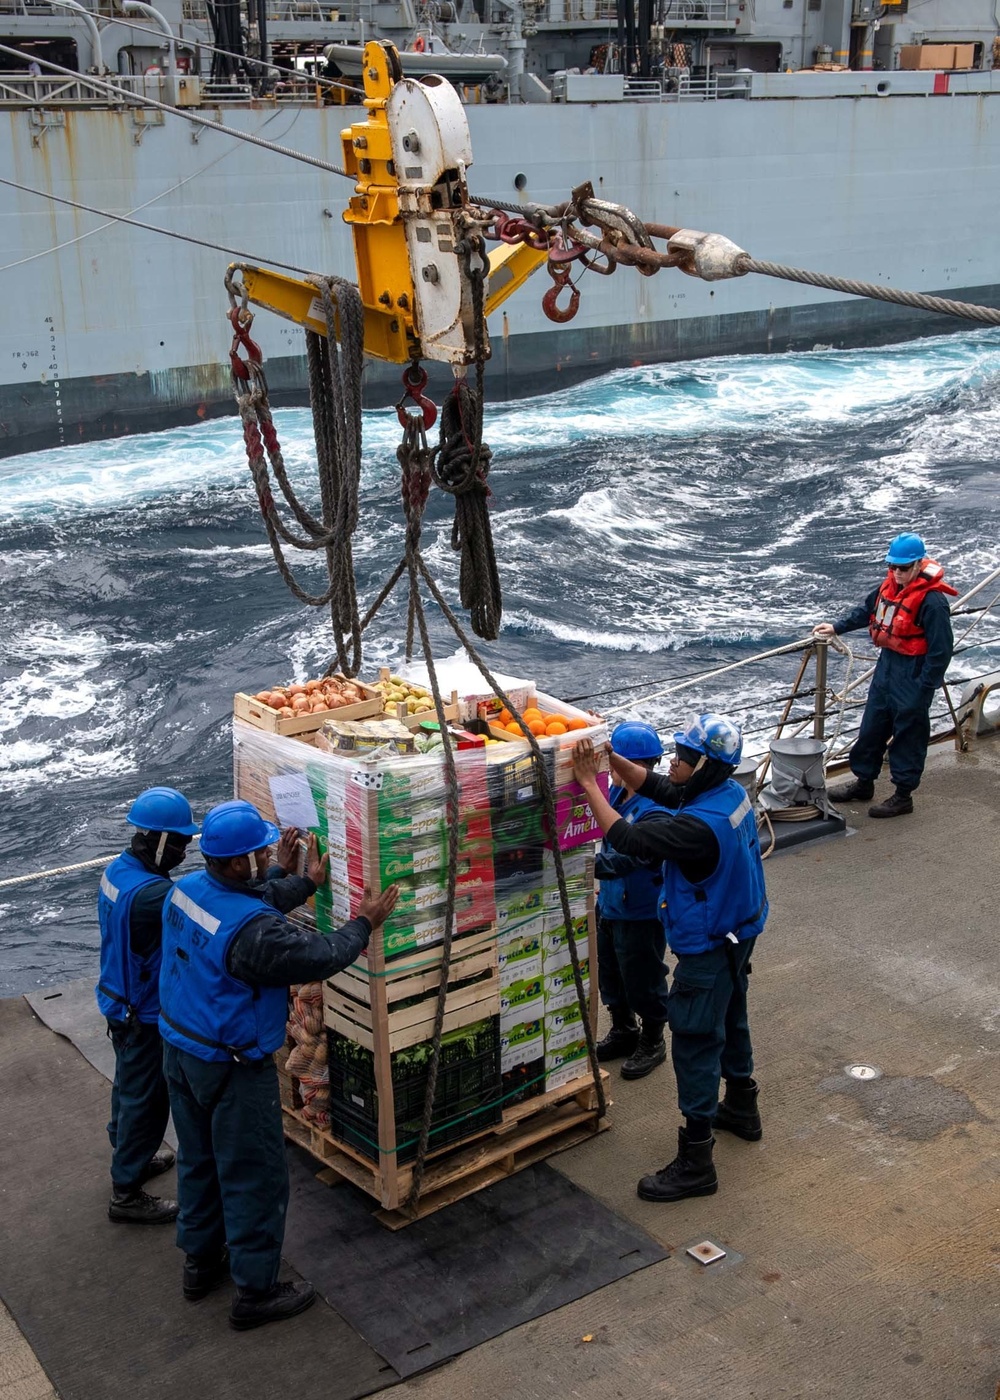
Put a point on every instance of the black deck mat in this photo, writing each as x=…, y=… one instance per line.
x=101, y=1304
x=506, y=1255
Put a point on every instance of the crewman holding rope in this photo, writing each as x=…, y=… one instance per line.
x=713, y=905
x=630, y=940
x=129, y=908
x=909, y=619
x=229, y=956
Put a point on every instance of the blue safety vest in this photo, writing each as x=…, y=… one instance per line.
x=203, y=1008
x=636, y=895
x=733, y=900
x=128, y=986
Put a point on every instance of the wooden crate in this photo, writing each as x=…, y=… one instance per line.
x=399, y=711
x=363, y=1001
x=261, y=716
x=528, y=1133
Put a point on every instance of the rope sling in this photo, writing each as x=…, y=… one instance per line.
x=458, y=465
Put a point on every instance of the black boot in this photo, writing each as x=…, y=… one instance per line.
x=857, y=790
x=159, y=1164
x=620, y=1040
x=691, y=1173
x=900, y=804
x=650, y=1052
x=285, y=1300
x=136, y=1208
x=202, y=1275
x=738, y=1111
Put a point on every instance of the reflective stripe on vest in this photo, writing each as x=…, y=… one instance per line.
x=204, y=1009
x=733, y=900
x=200, y=916
x=128, y=985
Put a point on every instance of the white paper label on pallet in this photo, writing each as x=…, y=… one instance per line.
x=293, y=800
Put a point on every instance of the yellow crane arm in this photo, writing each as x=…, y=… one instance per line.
x=384, y=256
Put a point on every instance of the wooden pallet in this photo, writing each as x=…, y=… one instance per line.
x=528, y=1133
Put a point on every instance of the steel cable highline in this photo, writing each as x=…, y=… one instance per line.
x=122, y=97
x=626, y=240
x=113, y=218
x=150, y=228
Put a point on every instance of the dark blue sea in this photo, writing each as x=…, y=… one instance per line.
x=649, y=524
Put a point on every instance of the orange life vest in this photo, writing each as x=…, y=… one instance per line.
x=893, y=622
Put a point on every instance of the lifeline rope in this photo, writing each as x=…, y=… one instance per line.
x=56, y=870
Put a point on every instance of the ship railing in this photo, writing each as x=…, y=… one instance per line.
x=680, y=12
x=22, y=90
x=680, y=85
x=577, y=11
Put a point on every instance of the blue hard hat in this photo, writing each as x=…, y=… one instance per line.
x=906, y=549
x=714, y=736
x=235, y=829
x=162, y=809
x=637, y=741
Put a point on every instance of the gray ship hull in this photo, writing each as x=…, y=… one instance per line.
x=113, y=330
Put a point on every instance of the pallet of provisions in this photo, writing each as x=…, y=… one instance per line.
x=514, y=1081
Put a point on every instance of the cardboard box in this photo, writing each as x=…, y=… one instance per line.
x=936, y=57
x=521, y=1044
x=519, y=958
x=560, y=985
x=555, y=944
x=563, y=1026
x=566, y=1063
x=522, y=1001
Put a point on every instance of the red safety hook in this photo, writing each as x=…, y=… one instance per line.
x=241, y=322
x=560, y=275
x=414, y=384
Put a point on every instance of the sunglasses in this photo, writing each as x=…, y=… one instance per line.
x=904, y=568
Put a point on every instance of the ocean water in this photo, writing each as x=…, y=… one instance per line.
x=649, y=524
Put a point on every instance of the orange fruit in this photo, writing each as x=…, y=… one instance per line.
x=577, y=724
x=533, y=714
x=554, y=728
x=504, y=717
x=515, y=728
x=537, y=726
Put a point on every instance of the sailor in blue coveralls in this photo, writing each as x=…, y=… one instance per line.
x=229, y=956
x=630, y=939
x=713, y=905
x=129, y=907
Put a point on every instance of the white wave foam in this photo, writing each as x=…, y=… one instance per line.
x=649, y=641
x=741, y=395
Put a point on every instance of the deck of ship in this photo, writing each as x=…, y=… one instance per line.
x=862, y=1232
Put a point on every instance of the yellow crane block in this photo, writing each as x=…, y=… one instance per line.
x=380, y=249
